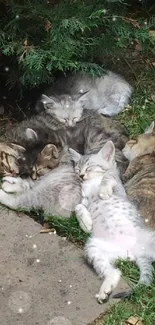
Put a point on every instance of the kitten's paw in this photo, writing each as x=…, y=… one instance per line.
x=84, y=218
x=102, y=298
x=10, y=179
x=8, y=187
x=105, y=192
x=2, y=195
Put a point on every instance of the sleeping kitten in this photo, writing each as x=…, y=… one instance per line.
x=67, y=97
x=118, y=231
x=87, y=136
x=139, y=177
x=47, y=159
x=12, y=159
x=57, y=192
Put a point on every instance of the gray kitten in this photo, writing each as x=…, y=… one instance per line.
x=118, y=231
x=67, y=97
x=56, y=193
x=87, y=136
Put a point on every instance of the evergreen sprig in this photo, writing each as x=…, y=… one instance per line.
x=41, y=37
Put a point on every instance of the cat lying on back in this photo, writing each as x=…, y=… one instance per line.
x=56, y=192
x=139, y=177
x=67, y=97
x=118, y=231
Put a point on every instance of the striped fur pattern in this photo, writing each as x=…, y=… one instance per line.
x=118, y=231
x=68, y=96
x=56, y=193
x=87, y=136
x=9, y=159
x=139, y=177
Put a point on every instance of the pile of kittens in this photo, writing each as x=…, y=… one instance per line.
x=73, y=156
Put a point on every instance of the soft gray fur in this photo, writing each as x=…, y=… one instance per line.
x=67, y=97
x=86, y=136
x=117, y=228
x=57, y=193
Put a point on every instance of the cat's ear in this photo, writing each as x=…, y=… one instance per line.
x=75, y=156
x=17, y=147
x=47, y=100
x=50, y=151
x=81, y=95
x=150, y=128
x=108, y=151
x=31, y=135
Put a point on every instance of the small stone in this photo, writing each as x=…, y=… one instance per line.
x=60, y=281
x=20, y=310
x=69, y=303
x=34, y=246
x=146, y=220
x=70, y=286
x=6, y=69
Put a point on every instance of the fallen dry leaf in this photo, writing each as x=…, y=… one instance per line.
x=44, y=231
x=134, y=320
x=153, y=98
x=25, y=42
x=152, y=33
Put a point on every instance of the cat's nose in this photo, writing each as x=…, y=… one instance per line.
x=82, y=176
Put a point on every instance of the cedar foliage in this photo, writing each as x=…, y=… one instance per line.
x=41, y=37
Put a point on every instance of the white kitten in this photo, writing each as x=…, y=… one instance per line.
x=118, y=229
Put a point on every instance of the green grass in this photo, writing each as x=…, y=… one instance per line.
x=139, y=114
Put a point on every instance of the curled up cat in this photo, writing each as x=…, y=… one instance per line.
x=57, y=191
x=139, y=178
x=70, y=94
x=117, y=229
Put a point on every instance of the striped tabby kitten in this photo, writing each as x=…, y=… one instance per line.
x=9, y=154
x=118, y=231
x=139, y=177
x=57, y=192
x=67, y=97
x=87, y=136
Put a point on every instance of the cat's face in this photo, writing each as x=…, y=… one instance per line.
x=11, y=155
x=47, y=159
x=68, y=110
x=143, y=144
x=92, y=166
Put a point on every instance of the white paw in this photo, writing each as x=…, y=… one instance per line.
x=102, y=298
x=11, y=184
x=103, y=294
x=9, y=187
x=9, y=179
x=84, y=218
x=105, y=192
x=2, y=195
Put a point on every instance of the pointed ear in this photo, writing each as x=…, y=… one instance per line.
x=82, y=95
x=50, y=151
x=108, y=151
x=18, y=148
x=149, y=129
x=47, y=100
x=31, y=134
x=75, y=156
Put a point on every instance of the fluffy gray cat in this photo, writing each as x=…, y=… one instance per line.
x=118, y=231
x=87, y=136
x=67, y=97
x=56, y=193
